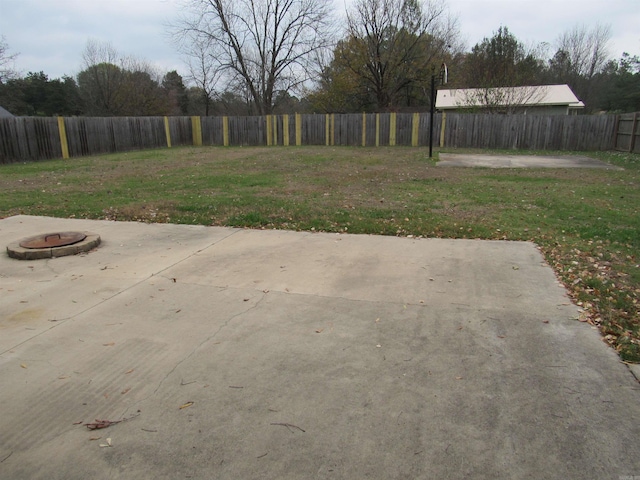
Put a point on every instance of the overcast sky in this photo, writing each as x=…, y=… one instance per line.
x=50, y=35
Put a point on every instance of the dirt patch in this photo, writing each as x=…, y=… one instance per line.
x=521, y=161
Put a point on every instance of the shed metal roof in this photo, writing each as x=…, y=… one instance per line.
x=5, y=113
x=539, y=95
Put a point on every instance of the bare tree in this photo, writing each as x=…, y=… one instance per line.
x=101, y=78
x=7, y=71
x=204, y=71
x=581, y=55
x=394, y=45
x=115, y=84
x=261, y=46
x=586, y=50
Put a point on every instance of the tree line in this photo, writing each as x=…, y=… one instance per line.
x=247, y=57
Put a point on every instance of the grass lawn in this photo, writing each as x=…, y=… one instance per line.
x=586, y=222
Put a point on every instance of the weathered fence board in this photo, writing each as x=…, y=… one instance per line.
x=534, y=132
x=31, y=138
x=627, y=136
x=28, y=139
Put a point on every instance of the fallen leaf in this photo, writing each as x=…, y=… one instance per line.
x=23, y=365
x=94, y=438
x=125, y=390
x=129, y=371
x=319, y=330
x=110, y=344
x=98, y=424
x=545, y=321
x=108, y=444
x=63, y=377
x=186, y=405
x=458, y=378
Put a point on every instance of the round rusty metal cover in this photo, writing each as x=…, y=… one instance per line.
x=49, y=240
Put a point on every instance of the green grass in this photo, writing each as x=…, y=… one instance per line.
x=586, y=222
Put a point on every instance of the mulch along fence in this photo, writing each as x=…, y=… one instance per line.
x=38, y=138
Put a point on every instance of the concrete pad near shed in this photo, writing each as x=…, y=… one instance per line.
x=521, y=161
x=233, y=353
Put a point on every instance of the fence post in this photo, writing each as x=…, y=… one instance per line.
x=298, y=129
x=275, y=129
x=267, y=119
x=285, y=130
x=62, y=131
x=377, y=129
x=196, y=131
x=632, y=142
x=414, y=129
x=442, y=128
x=327, y=129
x=225, y=131
x=364, y=129
x=392, y=129
x=167, y=131
x=333, y=129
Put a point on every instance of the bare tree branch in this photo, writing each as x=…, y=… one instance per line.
x=586, y=50
x=7, y=70
x=393, y=44
x=257, y=46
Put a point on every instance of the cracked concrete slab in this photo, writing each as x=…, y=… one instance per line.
x=299, y=355
x=521, y=161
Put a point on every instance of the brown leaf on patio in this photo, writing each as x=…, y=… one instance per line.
x=98, y=424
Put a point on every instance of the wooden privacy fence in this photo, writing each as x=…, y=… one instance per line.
x=35, y=138
x=627, y=136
